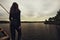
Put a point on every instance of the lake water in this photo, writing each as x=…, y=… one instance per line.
x=36, y=31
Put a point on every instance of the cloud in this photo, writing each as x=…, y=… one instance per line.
x=40, y=6
x=34, y=8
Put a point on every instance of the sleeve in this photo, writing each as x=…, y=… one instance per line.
x=20, y=15
x=10, y=16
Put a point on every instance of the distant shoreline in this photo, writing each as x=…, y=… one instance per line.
x=24, y=21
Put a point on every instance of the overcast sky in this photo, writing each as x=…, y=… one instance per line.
x=32, y=10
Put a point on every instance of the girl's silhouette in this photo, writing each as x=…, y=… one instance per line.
x=15, y=23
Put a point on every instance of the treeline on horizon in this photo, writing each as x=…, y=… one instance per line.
x=24, y=21
x=54, y=20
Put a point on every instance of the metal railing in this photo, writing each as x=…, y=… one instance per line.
x=4, y=8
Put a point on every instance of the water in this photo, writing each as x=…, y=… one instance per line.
x=35, y=31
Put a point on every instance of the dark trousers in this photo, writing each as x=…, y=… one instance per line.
x=13, y=32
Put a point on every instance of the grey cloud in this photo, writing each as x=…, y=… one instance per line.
x=31, y=8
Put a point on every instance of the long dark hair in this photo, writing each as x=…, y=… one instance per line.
x=14, y=7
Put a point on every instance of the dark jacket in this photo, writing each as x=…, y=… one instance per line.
x=15, y=17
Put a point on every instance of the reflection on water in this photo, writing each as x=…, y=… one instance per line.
x=36, y=31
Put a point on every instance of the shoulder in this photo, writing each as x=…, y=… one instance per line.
x=19, y=10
